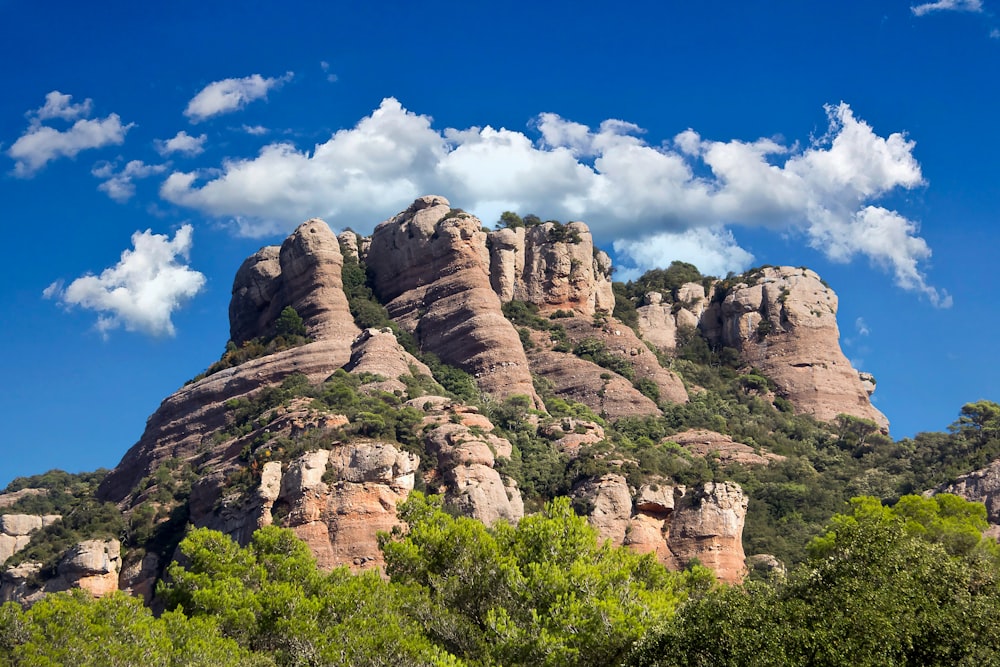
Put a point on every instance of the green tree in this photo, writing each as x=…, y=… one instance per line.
x=542, y=593
x=880, y=587
x=271, y=597
x=289, y=324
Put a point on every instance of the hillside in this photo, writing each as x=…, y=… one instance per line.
x=697, y=419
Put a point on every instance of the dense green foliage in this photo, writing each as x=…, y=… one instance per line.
x=911, y=585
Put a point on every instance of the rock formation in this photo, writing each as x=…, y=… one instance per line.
x=783, y=320
x=980, y=486
x=431, y=269
x=92, y=565
x=304, y=273
x=676, y=524
x=553, y=266
x=16, y=530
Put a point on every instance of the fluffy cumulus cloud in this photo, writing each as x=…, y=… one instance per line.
x=948, y=5
x=140, y=292
x=42, y=143
x=118, y=183
x=182, y=143
x=228, y=95
x=677, y=199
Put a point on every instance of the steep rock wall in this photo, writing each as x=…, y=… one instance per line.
x=431, y=268
x=784, y=322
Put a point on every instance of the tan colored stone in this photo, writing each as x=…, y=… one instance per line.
x=797, y=346
x=19, y=524
x=431, y=268
x=611, y=505
x=704, y=443
x=707, y=524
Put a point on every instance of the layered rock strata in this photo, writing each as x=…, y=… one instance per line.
x=784, y=322
x=431, y=269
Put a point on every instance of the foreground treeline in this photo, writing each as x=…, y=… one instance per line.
x=914, y=584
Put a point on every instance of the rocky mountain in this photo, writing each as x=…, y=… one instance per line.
x=325, y=429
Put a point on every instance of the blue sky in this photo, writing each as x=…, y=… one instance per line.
x=145, y=151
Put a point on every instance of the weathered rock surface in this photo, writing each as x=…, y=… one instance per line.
x=16, y=530
x=466, y=458
x=431, y=268
x=376, y=351
x=92, y=565
x=8, y=499
x=554, y=267
x=304, y=273
x=674, y=523
x=183, y=425
x=980, y=486
x=704, y=443
x=784, y=322
x=604, y=391
x=659, y=320
x=707, y=524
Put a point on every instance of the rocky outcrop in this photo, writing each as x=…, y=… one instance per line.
x=659, y=320
x=705, y=443
x=783, y=320
x=377, y=352
x=676, y=524
x=431, y=269
x=708, y=525
x=91, y=565
x=603, y=390
x=553, y=266
x=16, y=530
x=304, y=273
x=466, y=451
x=980, y=486
x=184, y=424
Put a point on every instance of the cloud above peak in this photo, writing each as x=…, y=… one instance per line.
x=228, y=95
x=142, y=290
x=677, y=199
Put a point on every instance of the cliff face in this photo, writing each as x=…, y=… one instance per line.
x=431, y=269
x=553, y=267
x=676, y=524
x=784, y=322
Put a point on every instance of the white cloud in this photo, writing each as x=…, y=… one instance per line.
x=255, y=130
x=995, y=33
x=948, y=5
x=143, y=290
x=118, y=184
x=714, y=251
x=680, y=194
x=57, y=105
x=861, y=327
x=230, y=95
x=183, y=143
x=41, y=144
